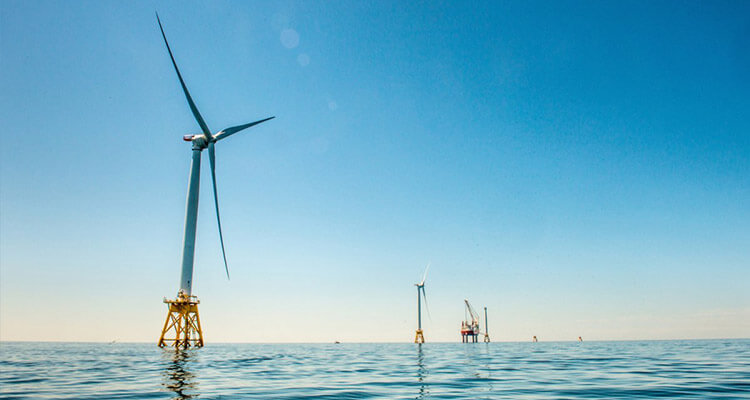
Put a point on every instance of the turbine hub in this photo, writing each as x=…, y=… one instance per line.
x=199, y=141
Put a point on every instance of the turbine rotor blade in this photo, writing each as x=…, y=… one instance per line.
x=212, y=161
x=427, y=307
x=231, y=131
x=193, y=108
x=425, y=273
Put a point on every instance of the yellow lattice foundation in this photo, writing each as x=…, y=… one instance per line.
x=182, y=328
x=419, y=338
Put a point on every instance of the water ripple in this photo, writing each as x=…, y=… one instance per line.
x=613, y=370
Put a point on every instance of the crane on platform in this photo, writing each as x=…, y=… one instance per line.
x=470, y=324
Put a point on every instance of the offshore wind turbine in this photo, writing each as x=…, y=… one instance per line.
x=182, y=327
x=419, y=338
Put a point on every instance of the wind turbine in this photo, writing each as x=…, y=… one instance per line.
x=183, y=317
x=419, y=338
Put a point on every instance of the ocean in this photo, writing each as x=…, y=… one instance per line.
x=689, y=369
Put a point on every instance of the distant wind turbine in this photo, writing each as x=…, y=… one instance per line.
x=419, y=338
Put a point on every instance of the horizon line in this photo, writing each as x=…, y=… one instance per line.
x=407, y=342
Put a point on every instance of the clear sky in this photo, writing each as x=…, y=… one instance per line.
x=581, y=169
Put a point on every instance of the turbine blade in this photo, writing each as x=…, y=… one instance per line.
x=231, y=131
x=212, y=161
x=427, y=307
x=193, y=108
x=425, y=273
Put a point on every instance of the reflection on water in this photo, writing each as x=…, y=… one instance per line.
x=178, y=377
x=486, y=364
x=421, y=374
x=477, y=362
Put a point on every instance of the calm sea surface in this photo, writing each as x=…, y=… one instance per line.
x=591, y=370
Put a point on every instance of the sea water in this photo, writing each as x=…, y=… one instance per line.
x=696, y=369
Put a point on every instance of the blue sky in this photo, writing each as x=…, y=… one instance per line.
x=581, y=169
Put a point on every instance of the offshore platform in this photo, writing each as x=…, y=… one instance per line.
x=470, y=324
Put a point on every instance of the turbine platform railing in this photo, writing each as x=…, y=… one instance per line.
x=181, y=298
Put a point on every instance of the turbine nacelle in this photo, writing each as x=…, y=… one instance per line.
x=190, y=138
x=199, y=141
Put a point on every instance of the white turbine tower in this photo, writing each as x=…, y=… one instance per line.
x=183, y=316
x=419, y=338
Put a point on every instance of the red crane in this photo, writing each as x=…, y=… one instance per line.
x=470, y=325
